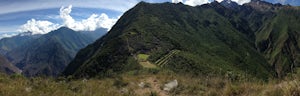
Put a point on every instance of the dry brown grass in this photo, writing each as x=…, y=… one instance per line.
x=127, y=85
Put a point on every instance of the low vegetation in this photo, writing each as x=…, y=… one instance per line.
x=148, y=84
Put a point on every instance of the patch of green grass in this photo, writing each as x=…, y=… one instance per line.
x=147, y=64
x=142, y=57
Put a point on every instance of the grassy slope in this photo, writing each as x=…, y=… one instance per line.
x=127, y=85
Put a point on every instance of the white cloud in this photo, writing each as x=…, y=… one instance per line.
x=176, y=1
x=200, y=2
x=65, y=15
x=195, y=2
x=105, y=21
x=240, y=2
x=219, y=0
x=90, y=24
x=38, y=26
x=5, y=35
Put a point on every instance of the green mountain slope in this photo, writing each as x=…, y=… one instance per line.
x=279, y=40
x=274, y=28
x=211, y=39
x=8, y=44
x=7, y=67
x=49, y=54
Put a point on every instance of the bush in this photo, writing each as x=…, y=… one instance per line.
x=119, y=83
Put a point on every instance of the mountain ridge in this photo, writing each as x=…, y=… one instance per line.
x=10, y=43
x=194, y=31
x=49, y=54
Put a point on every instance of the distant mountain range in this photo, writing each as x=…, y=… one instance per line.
x=46, y=54
x=257, y=40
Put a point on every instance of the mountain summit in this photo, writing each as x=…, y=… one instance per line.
x=229, y=4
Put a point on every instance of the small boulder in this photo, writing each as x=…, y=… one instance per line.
x=28, y=89
x=124, y=90
x=169, y=86
x=84, y=80
x=142, y=84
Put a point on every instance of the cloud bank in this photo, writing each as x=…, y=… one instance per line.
x=6, y=35
x=90, y=24
x=195, y=2
x=176, y=1
x=38, y=26
x=241, y=2
x=200, y=2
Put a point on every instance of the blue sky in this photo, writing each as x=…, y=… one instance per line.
x=15, y=13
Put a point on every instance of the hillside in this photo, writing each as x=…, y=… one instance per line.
x=8, y=44
x=49, y=54
x=210, y=39
x=279, y=41
x=147, y=85
x=7, y=67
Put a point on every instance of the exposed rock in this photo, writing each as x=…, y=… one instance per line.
x=124, y=90
x=28, y=89
x=171, y=85
x=84, y=80
x=142, y=84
